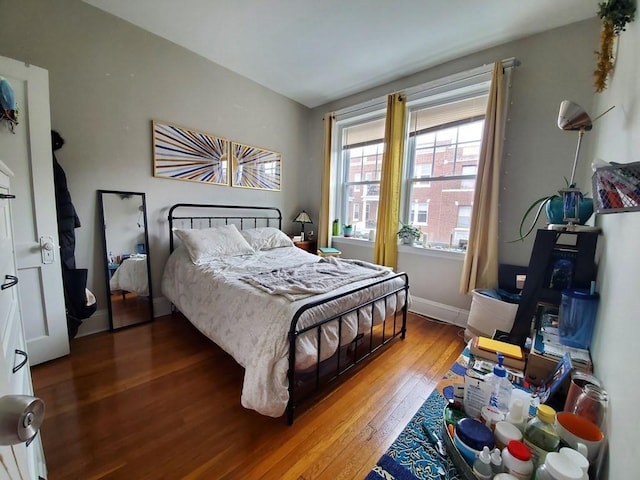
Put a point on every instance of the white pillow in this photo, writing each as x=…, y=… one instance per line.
x=210, y=243
x=266, y=238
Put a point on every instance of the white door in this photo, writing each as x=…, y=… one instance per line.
x=28, y=153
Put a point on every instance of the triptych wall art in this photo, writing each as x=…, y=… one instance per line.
x=183, y=154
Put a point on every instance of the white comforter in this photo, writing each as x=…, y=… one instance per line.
x=252, y=325
x=131, y=276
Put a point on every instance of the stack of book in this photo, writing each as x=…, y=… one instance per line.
x=547, y=344
x=488, y=348
x=484, y=355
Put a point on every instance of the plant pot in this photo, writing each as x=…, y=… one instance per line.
x=555, y=213
x=347, y=231
x=406, y=240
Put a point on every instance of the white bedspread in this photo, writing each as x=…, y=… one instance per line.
x=131, y=276
x=252, y=325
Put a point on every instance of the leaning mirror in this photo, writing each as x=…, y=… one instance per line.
x=126, y=257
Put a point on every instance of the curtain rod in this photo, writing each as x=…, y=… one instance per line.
x=379, y=102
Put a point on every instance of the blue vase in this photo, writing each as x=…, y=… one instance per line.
x=555, y=213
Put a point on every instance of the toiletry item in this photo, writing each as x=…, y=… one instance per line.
x=558, y=467
x=505, y=432
x=516, y=459
x=496, y=461
x=500, y=387
x=540, y=434
x=482, y=465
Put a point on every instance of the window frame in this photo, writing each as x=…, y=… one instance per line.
x=447, y=90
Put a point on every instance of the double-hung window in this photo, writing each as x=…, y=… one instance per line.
x=442, y=155
x=360, y=166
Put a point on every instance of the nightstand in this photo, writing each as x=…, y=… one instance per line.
x=307, y=245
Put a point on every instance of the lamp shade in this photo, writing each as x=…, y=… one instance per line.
x=303, y=217
x=573, y=117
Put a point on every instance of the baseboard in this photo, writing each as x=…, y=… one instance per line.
x=98, y=322
x=439, y=311
x=161, y=306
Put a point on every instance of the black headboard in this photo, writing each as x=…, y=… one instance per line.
x=200, y=215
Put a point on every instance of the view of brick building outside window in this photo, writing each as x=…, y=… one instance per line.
x=440, y=183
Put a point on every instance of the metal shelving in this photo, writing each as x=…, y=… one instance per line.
x=616, y=188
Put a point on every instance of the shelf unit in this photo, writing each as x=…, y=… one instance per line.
x=616, y=188
x=550, y=246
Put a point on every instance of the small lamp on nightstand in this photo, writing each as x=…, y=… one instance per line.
x=302, y=218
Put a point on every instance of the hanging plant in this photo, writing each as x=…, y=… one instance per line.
x=615, y=14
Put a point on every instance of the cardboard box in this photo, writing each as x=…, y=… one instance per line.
x=538, y=368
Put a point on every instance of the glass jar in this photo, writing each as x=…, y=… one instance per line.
x=578, y=380
x=592, y=404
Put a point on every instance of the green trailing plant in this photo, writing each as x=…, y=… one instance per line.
x=614, y=14
x=409, y=231
x=538, y=205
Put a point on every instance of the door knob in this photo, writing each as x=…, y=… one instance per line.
x=20, y=418
x=48, y=249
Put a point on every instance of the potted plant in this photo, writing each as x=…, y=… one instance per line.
x=347, y=230
x=553, y=206
x=408, y=234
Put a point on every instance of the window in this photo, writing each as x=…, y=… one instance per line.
x=360, y=157
x=444, y=136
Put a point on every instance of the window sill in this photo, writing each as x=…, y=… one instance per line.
x=402, y=249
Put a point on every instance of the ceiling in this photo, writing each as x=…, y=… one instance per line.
x=316, y=51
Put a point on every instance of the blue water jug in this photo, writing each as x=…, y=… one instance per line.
x=577, y=317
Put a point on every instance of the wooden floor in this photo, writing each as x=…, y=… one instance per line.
x=159, y=400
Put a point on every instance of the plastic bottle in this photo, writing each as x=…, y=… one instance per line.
x=515, y=416
x=578, y=457
x=482, y=465
x=558, y=467
x=540, y=434
x=500, y=387
x=336, y=228
x=516, y=460
x=496, y=462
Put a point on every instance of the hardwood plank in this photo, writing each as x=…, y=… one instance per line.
x=159, y=400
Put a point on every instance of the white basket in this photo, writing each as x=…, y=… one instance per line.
x=488, y=314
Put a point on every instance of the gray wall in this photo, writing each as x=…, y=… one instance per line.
x=108, y=80
x=555, y=65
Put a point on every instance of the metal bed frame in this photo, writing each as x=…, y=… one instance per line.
x=303, y=385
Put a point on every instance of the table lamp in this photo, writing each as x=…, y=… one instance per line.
x=302, y=218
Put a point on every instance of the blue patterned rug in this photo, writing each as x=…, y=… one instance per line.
x=412, y=456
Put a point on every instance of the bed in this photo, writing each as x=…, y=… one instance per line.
x=131, y=275
x=293, y=320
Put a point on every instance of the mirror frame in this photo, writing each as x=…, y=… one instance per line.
x=105, y=253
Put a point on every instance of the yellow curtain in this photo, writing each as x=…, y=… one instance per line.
x=480, y=268
x=386, y=246
x=323, y=221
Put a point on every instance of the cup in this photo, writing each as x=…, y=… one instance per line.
x=574, y=429
x=578, y=381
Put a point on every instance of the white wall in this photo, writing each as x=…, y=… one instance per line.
x=555, y=65
x=108, y=81
x=617, y=139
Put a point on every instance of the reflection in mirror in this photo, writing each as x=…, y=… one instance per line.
x=126, y=257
